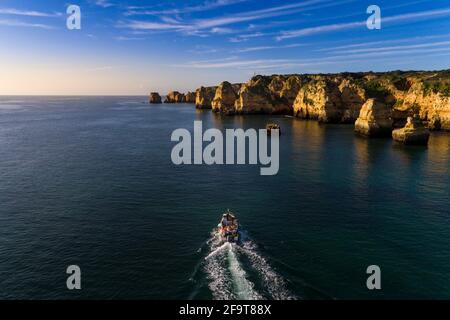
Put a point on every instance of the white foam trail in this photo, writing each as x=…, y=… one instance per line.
x=274, y=283
x=244, y=288
x=227, y=278
x=217, y=274
x=216, y=251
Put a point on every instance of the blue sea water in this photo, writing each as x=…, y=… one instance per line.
x=89, y=181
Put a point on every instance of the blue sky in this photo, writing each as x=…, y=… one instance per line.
x=134, y=47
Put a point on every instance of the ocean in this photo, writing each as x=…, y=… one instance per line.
x=89, y=181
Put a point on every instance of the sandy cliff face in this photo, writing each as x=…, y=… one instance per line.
x=174, y=97
x=225, y=98
x=374, y=119
x=319, y=100
x=329, y=100
x=291, y=87
x=255, y=97
x=338, y=97
x=261, y=94
x=353, y=97
x=432, y=106
x=204, y=97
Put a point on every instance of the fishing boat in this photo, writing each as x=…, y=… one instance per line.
x=228, y=227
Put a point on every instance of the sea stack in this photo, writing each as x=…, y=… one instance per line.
x=174, y=97
x=374, y=119
x=155, y=98
x=413, y=132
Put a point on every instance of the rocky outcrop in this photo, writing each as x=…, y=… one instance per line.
x=283, y=91
x=338, y=98
x=225, y=98
x=204, y=97
x=267, y=95
x=174, y=97
x=319, y=100
x=353, y=97
x=431, y=104
x=155, y=98
x=290, y=89
x=255, y=97
x=330, y=100
x=413, y=132
x=190, y=97
x=374, y=119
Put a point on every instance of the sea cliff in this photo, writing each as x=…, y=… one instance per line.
x=389, y=98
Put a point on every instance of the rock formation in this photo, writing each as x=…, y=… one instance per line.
x=174, y=97
x=204, y=97
x=255, y=97
x=319, y=100
x=190, y=97
x=224, y=99
x=374, y=119
x=290, y=89
x=353, y=98
x=338, y=98
x=428, y=98
x=412, y=133
x=155, y=97
x=330, y=100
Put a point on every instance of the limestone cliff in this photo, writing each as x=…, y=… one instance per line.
x=174, y=97
x=328, y=100
x=374, y=119
x=204, y=97
x=225, y=98
x=254, y=97
x=338, y=98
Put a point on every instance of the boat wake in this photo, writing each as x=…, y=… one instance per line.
x=239, y=271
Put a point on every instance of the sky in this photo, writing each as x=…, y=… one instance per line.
x=133, y=47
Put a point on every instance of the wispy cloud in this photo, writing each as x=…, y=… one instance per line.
x=17, y=23
x=350, y=25
x=246, y=37
x=215, y=22
x=372, y=44
x=103, y=3
x=219, y=30
x=260, y=48
x=208, y=5
x=393, y=48
x=337, y=58
x=144, y=25
x=125, y=38
x=101, y=68
x=16, y=12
